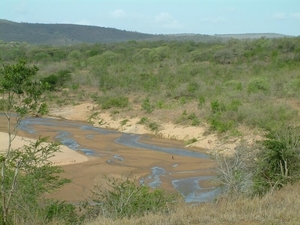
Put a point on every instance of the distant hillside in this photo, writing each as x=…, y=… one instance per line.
x=67, y=34
x=251, y=35
x=64, y=34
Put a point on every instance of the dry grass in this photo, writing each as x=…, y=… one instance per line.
x=281, y=207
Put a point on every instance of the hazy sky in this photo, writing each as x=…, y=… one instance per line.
x=163, y=16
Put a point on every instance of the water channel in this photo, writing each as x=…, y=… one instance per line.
x=159, y=163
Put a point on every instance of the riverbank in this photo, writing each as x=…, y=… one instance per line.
x=66, y=155
x=129, y=122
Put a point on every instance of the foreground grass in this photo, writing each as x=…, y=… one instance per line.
x=281, y=207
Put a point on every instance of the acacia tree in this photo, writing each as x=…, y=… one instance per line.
x=20, y=96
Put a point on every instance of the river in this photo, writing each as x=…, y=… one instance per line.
x=156, y=162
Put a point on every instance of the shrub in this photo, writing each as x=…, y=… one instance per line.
x=219, y=124
x=124, y=198
x=143, y=120
x=201, y=101
x=123, y=122
x=153, y=126
x=108, y=102
x=62, y=211
x=57, y=80
x=278, y=162
x=51, y=81
x=258, y=84
x=192, y=119
x=147, y=106
x=234, y=105
x=191, y=141
x=235, y=171
x=224, y=56
x=217, y=106
x=160, y=104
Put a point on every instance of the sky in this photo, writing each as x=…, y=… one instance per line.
x=163, y=16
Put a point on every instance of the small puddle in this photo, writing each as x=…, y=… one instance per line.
x=191, y=190
x=64, y=138
x=154, y=177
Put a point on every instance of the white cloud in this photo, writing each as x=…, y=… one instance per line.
x=282, y=16
x=118, y=14
x=83, y=22
x=296, y=15
x=279, y=16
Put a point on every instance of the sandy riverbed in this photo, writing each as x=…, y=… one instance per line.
x=86, y=171
x=64, y=157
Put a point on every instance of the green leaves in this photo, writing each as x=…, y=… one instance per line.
x=26, y=173
x=20, y=92
x=123, y=198
x=14, y=77
x=278, y=162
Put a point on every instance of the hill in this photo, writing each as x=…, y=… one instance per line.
x=63, y=34
x=251, y=35
x=68, y=34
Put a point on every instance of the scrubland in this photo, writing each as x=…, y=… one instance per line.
x=232, y=88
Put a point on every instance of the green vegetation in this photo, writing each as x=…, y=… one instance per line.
x=191, y=141
x=108, y=102
x=26, y=172
x=229, y=87
x=190, y=119
x=153, y=126
x=124, y=198
x=58, y=80
x=278, y=163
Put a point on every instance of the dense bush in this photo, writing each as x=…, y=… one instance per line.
x=61, y=211
x=108, y=102
x=124, y=198
x=55, y=81
x=278, y=161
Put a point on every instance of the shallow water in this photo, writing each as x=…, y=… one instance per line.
x=80, y=137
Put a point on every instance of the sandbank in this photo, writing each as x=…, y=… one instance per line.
x=66, y=155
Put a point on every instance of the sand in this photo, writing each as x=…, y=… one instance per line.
x=64, y=157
